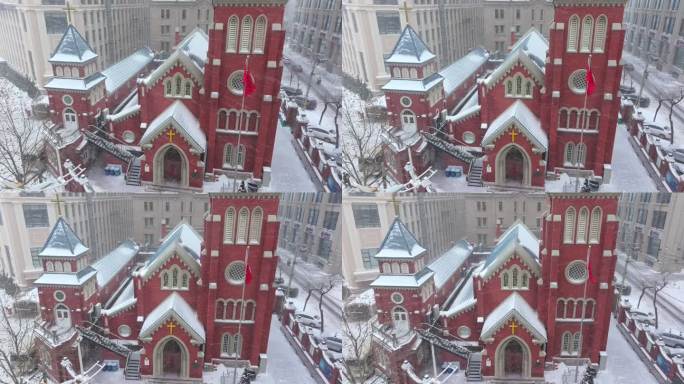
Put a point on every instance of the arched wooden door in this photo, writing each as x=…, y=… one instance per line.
x=172, y=358
x=173, y=165
x=513, y=359
x=515, y=166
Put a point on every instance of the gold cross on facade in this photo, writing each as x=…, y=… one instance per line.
x=406, y=10
x=514, y=134
x=170, y=326
x=69, y=9
x=513, y=326
x=170, y=134
x=59, y=202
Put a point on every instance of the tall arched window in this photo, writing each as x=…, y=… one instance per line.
x=228, y=155
x=563, y=118
x=226, y=342
x=187, y=92
x=594, y=120
x=232, y=120
x=220, y=309
x=509, y=88
x=168, y=88
x=404, y=268
x=49, y=266
x=414, y=73
x=505, y=280
x=569, y=160
x=560, y=309
x=396, y=73
x=260, y=34
x=518, y=85
x=222, y=119
x=514, y=277
x=386, y=268
x=232, y=31
x=589, y=309
x=595, y=231
x=600, y=33
x=229, y=226
x=573, y=29
x=573, y=118
x=243, y=217
x=528, y=88
x=255, y=226
x=58, y=267
x=178, y=85
x=67, y=266
x=59, y=71
x=587, y=30
x=408, y=121
x=241, y=156
x=566, y=347
x=581, y=154
x=582, y=222
x=246, y=34
x=569, y=232
x=576, y=343
x=395, y=268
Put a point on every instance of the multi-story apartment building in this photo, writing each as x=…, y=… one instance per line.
x=170, y=16
x=655, y=28
x=437, y=220
x=310, y=228
x=652, y=229
x=31, y=30
x=449, y=28
x=371, y=27
x=103, y=220
x=505, y=19
x=317, y=30
x=157, y=213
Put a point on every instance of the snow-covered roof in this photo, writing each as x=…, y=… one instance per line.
x=413, y=85
x=399, y=243
x=182, y=120
x=517, y=240
x=196, y=45
x=125, y=300
x=516, y=307
x=524, y=119
x=129, y=107
x=62, y=242
x=108, y=266
x=463, y=301
x=191, y=53
x=118, y=73
x=70, y=279
x=410, y=49
x=530, y=50
x=471, y=107
x=448, y=263
x=72, y=48
x=403, y=281
x=177, y=309
x=75, y=84
x=183, y=241
x=460, y=70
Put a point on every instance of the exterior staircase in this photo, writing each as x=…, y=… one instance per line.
x=475, y=174
x=448, y=345
x=132, y=370
x=451, y=149
x=103, y=341
x=133, y=175
x=116, y=150
x=474, y=368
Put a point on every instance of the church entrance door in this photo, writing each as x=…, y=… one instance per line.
x=515, y=161
x=173, y=165
x=172, y=358
x=513, y=359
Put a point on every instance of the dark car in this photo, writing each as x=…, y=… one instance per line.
x=334, y=344
x=627, y=89
x=306, y=103
x=676, y=153
x=643, y=102
x=291, y=91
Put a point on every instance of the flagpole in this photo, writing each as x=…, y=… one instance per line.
x=239, y=128
x=242, y=316
x=584, y=123
x=583, y=315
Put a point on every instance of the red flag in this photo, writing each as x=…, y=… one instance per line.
x=592, y=278
x=248, y=274
x=248, y=82
x=591, y=84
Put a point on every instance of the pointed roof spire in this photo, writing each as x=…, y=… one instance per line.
x=399, y=243
x=410, y=49
x=63, y=242
x=72, y=48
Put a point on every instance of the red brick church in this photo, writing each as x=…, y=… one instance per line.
x=163, y=315
x=173, y=122
x=513, y=122
x=504, y=317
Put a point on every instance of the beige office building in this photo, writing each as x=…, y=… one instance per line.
x=652, y=229
x=310, y=228
x=101, y=220
x=505, y=20
x=437, y=220
x=31, y=30
x=167, y=16
x=316, y=29
x=157, y=213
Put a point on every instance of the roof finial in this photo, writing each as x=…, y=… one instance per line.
x=58, y=202
x=406, y=10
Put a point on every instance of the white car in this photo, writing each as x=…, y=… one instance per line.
x=309, y=320
x=643, y=317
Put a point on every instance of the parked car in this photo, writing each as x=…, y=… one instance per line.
x=676, y=153
x=643, y=102
x=643, y=317
x=672, y=339
x=334, y=344
x=291, y=91
x=309, y=320
x=306, y=102
x=627, y=89
x=322, y=134
x=657, y=131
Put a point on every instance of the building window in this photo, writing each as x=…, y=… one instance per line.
x=229, y=226
x=124, y=330
x=260, y=34
x=578, y=81
x=587, y=30
x=231, y=345
x=569, y=232
x=232, y=31
x=235, y=272
x=330, y=220
x=595, y=231
x=246, y=34
x=576, y=272
x=35, y=215
x=366, y=215
x=367, y=256
x=175, y=278
x=600, y=34
x=255, y=226
x=582, y=222
x=235, y=83
x=573, y=29
x=243, y=217
x=388, y=22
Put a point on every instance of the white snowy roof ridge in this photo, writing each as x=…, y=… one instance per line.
x=67, y=279
x=112, y=263
x=178, y=242
x=449, y=262
x=62, y=242
x=460, y=70
x=178, y=57
x=81, y=85
x=524, y=119
x=409, y=49
x=124, y=113
x=182, y=120
x=505, y=68
x=118, y=73
x=413, y=85
x=399, y=243
x=518, y=241
x=72, y=48
x=514, y=306
x=403, y=281
x=463, y=302
x=175, y=307
x=465, y=113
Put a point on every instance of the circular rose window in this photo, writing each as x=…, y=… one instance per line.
x=67, y=100
x=129, y=136
x=405, y=101
x=463, y=332
x=576, y=272
x=60, y=296
x=235, y=273
x=578, y=81
x=397, y=298
x=124, y=330
x=468, y=137
x=235, y=84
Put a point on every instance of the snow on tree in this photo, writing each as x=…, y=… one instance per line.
x=17, y=353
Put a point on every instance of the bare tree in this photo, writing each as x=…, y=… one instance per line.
x=21, y=140
x=656, y=285
x=321, y=287
x=16, y=346
x=671, y=98
x=357, y=360
x=337, y=105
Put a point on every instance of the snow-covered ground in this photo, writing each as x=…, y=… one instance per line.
x=283, y=367
x=287, y=171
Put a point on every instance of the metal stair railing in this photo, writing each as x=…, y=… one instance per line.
x=444, y=344
x=449, y=148
x=108, y=146
x=103, y=341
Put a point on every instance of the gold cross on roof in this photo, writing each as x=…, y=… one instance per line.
x=69, y=9
x=59, y=202
x=406, y=10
